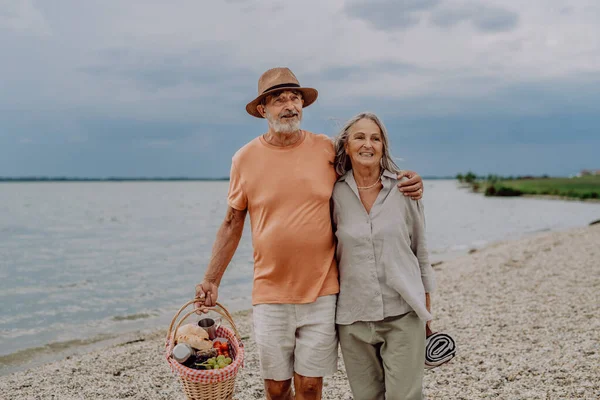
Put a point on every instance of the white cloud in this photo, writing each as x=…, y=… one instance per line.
x=483, y=17
x=195, y=60
x=22, y=17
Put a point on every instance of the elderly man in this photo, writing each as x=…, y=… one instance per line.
x=284, y=179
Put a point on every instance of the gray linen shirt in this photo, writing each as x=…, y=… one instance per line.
x=382, y=256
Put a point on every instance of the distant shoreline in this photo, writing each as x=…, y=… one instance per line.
x=560, y=198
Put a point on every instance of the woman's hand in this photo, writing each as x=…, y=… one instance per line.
x=428, y=306
x=413, y=187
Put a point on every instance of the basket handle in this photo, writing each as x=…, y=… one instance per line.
x=219, y=308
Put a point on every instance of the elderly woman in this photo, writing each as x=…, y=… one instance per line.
x=385, y=275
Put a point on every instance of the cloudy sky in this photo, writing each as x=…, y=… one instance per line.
x=155, y=88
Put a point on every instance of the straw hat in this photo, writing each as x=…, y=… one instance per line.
x=278, y=79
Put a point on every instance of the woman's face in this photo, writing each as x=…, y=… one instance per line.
x=364, y=145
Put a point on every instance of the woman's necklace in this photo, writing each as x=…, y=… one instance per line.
x=369, y=187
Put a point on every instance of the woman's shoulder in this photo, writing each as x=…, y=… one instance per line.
x=339, y=188
x=398, y=197
x=393, y=175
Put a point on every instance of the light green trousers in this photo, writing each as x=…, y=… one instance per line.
x=385, y=359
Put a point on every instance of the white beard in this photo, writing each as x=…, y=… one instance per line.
x=283, y=127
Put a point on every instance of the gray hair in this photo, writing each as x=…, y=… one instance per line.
x=342, y=162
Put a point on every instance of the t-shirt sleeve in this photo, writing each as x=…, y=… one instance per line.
x=237, y=197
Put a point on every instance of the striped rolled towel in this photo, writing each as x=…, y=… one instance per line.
x=439, y=349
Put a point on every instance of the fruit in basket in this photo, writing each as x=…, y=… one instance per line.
x=215, y=363
x=222, y=347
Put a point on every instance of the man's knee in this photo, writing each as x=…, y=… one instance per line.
x=277, y=390
x=308, y=386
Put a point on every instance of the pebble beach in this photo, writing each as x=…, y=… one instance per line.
x=524, y=315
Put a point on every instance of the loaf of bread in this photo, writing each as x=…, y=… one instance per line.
x=195, y=336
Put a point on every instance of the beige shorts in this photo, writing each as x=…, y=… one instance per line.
x=297, y=338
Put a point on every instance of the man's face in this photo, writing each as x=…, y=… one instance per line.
x=283, y=111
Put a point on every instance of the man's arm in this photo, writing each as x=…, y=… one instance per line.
x=226, y=243
x=413, y=187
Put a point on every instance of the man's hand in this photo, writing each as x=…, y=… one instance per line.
x=209, y=291
x=413, y=187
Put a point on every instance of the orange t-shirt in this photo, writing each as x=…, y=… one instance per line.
x=287, y=192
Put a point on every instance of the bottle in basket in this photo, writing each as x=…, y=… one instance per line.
x=184, y=354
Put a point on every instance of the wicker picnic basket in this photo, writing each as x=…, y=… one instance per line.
x=207, y=384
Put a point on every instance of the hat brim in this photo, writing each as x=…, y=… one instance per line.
x=309, y=95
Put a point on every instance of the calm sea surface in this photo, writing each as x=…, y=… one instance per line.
x=82, y=263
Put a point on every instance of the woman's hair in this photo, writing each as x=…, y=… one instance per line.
x=342, y=162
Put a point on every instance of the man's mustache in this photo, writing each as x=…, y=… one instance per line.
x=288, y=114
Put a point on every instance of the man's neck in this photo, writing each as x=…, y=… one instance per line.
x=283, y=139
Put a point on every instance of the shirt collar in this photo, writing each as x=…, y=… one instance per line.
x=389, y=174
x=345, y=176
x=350, y=176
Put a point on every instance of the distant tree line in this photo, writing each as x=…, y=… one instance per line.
x=471, y=177
x=497, y=185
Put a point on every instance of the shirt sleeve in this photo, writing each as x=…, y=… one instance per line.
x=237, y=197
x=419, y=245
